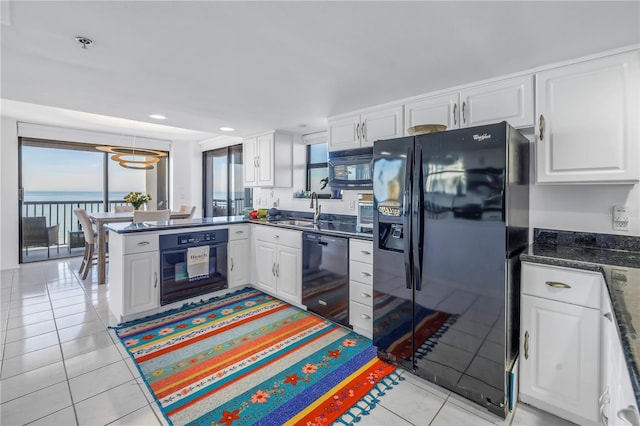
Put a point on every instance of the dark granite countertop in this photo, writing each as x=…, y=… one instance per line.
x=129, y=227
x=618, y=259
x=336, y=225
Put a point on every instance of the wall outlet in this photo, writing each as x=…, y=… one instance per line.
x=621, y=217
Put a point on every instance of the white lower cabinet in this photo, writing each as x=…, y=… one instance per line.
x=141, y=270
x=278, y=254
x=134, y=274
x=361, y=286
x=238, y=256
x=560, y=341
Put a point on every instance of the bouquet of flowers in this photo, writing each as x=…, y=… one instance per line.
x=137, y=199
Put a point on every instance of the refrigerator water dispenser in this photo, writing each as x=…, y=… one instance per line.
x=391, y=236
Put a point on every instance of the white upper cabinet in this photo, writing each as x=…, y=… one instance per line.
x=508, y=100
x=587, y=121
x=361, y=130
x=267, y=160
x=441, y=109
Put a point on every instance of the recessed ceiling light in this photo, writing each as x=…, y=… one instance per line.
x=158, y=116
x=227, y=129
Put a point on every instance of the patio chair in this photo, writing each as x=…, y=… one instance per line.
x=122, y=209
x=36, y=233
x=140, y=216
x=188, y=209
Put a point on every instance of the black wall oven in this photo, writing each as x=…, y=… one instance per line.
x=192, y=264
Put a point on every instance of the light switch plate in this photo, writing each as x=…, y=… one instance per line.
x=621, y=217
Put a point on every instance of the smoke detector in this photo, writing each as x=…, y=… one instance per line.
x=84, y=41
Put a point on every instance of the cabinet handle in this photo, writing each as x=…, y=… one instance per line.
x=155, y=280
x=608, y=316
x=365, y=274
x=239, y=232
x=363, y=294
x=455, y=108
x=541, y=127
x=273, y=269
x=258, y=159
x=255, y=161
x=278, y=270
x=232, y=263
x=365, y=316
x=367, y=253
x=276, y=236
x=526, y=345
x=556, y=284
x=363, y=129
x=144, y=243
x=464, y=106
x=358, y=131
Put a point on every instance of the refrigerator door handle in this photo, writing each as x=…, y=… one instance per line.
x=406, y=218
x=417, y=217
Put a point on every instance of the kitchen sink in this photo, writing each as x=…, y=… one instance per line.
x=295, y=222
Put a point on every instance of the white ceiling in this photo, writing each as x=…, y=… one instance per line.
x=264, y=65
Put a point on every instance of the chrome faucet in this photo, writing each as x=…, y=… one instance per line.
x=316, y=214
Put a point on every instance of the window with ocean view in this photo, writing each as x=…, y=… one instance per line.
x=57, y=177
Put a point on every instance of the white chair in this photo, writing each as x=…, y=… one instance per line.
x=140, y=216
x=90, y=240
x=187, y=209
x=123, y=209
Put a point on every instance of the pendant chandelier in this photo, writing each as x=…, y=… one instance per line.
x=133, y=158
x=130, y=158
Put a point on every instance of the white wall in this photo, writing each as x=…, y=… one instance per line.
x=185, y=173
x=9, y=194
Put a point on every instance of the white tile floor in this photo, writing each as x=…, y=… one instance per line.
x=61, y=365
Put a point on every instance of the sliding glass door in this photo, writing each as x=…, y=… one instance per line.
x=224, y=191
x=57, y=177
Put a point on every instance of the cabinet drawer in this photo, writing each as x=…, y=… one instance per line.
x=280, y=236
x=550, y=282
x=238, y=232
x=361, y=272
x=361, y=293
x=141, y=243
x=361, y=316
x=362, y=251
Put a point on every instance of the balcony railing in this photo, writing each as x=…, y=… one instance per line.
x=61, y=213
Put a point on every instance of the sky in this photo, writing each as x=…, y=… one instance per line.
x=47, y=169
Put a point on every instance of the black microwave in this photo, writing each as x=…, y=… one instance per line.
x=351, y=169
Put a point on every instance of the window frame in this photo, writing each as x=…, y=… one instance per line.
x=310, y=166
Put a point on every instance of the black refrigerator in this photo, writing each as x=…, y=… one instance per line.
x=450, y=219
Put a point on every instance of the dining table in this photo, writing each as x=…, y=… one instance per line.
x=102, y=218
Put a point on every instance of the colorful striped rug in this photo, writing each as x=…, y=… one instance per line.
x=248, y=358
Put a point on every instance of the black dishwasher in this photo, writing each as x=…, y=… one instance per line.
x=325, y=276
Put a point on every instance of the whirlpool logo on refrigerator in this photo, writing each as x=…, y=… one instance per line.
x=482, y=137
